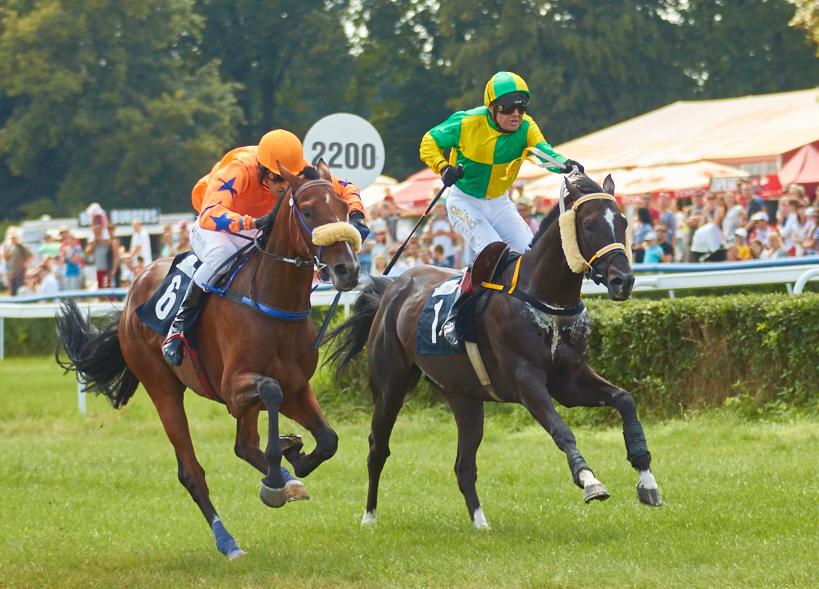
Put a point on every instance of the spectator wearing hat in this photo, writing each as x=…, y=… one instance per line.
x=741, y=243
x=758, y=227
x=17, y=257
x=652, y=251
x=526, y=211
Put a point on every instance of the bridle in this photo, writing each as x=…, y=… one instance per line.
x=313, y=262
x=579, y=264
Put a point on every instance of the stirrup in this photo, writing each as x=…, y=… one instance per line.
x=173, y=348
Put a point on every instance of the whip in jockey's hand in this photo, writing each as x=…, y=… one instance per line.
x=488, y=143
x=451, y=174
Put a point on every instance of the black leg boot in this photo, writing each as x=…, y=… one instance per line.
x=174, y=346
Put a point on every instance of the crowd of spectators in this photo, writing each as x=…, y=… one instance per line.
x=706, y=227
x=736, y=225
x=68, y=262
x=726, y=226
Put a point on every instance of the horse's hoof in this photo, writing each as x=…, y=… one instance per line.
x=479, y=520
x=289, y=441
x=369, y=519
x=234, y=554
x=595, y=492
x=649, y=496
x=272, y=497
x=294, y=491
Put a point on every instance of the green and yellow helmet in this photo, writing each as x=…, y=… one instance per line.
x=504, y=83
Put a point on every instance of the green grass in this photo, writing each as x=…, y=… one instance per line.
x=94, y=501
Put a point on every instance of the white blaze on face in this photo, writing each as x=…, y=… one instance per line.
x=609, y=217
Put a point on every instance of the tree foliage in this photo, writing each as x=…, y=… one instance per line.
x=129, y=102
x=106, y=100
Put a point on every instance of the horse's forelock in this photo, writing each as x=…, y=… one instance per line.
x=580, y=181
x=310, y=173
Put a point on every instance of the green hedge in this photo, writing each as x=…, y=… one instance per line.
x=674, y=355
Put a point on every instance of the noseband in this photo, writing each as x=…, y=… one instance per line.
x=571, y=248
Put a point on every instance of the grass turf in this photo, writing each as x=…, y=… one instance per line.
x=95, y=501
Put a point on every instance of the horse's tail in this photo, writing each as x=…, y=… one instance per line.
x=356, y=329
x=95, y=355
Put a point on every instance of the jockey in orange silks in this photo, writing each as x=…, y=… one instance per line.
x=240, y=190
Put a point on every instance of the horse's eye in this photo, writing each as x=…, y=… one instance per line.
x=307, y=213
x=588, y=225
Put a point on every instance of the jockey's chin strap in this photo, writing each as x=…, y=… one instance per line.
x=568, y=237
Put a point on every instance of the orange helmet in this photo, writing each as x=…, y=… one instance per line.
x=281, y=146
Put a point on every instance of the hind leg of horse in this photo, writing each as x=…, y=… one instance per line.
x=469, y=418
x=586, y=388
x=539, y=404
x=389, y=391
x=191, y=474
x=304, y=409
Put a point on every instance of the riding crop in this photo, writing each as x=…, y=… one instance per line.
x=394, y=259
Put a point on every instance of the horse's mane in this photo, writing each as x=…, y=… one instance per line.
x=580, y=181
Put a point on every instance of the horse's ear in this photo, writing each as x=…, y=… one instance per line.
x=291, y=178
x=608, y=185
x=324, y=170
x=573, y=191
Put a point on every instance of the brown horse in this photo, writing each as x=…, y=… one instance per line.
x=532, y=338
x=252, y=361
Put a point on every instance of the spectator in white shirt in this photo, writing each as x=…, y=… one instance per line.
x=140, y=242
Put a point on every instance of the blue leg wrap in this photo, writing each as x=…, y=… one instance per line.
x=286, y=474
x=224, y=541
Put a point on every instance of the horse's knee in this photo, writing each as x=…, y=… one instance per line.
x=271, y=394
x=624, y=403
x=326, y=443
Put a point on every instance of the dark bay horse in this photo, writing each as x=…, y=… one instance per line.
x=533, y=345
x=253, y=361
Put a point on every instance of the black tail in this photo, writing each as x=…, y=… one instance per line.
x=94, y=355
x=358, y=325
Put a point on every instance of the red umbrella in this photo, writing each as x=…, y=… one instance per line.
x=417, y=190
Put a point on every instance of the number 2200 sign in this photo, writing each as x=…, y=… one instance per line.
x=350, y=146
x=350, y=155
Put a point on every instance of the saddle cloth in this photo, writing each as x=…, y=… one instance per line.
x=436, y=309
x=158, y=311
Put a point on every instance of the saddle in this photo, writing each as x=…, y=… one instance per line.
x=492, y=260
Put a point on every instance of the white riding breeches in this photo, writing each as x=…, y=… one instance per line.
x=213, y=248
x=484, y=220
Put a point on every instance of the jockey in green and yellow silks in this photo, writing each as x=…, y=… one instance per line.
x=489, y=142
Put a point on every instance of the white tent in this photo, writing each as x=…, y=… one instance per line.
x=376, y=191
x=642, y=180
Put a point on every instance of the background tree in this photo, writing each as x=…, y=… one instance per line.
x=807, y=18
x=738, y=47
x=292, y=60
x=401, y=85
x=108, y=101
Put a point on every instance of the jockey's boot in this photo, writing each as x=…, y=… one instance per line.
x=448, y=327
x=173, y=348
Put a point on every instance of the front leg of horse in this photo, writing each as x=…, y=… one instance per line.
x=304, y=409
x=638, y=455
x=540, y=406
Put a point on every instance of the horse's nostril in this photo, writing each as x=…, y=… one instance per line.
x=616, y=282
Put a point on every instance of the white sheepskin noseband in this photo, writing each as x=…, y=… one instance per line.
x=568, y=239
x=331, y=233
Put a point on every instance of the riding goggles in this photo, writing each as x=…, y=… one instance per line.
x=508, y=109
